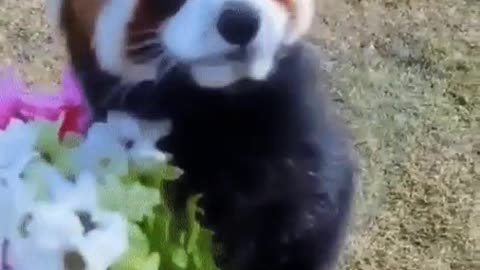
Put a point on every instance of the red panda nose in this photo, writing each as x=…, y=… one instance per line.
x=238, y=23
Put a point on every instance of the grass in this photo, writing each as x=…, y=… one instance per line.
x=406, y=77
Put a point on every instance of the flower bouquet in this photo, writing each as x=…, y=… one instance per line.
x=81, y=196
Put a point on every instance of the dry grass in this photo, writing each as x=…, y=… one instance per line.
x=26, y=41
x=406, y=75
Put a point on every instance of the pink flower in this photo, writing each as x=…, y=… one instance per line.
x=17, y=101
x=76, y=113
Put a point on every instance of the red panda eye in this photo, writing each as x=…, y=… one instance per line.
x=163, y=7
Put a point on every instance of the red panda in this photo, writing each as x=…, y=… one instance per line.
x=251, y=125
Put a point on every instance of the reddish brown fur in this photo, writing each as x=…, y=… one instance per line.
x=78, y=23
x=145, y=23
x=78, y=18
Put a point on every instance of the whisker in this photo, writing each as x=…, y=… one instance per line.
x=152, y=30
x=138, y=45
x=145, y=53
x=140, y=36
x=146, y=57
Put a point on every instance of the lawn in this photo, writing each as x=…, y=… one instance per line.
x=405, y=75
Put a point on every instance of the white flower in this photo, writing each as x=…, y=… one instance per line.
x=44, y=180
x=139, y=137
x=43, y=235
x=69, y=226
x=110, y=146
x=54, y=230
x=17, y=144
x=81, y=195
x=14, y=199
x=100, y=153
x=105, y=245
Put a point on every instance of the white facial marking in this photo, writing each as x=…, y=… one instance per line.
x=202, y=40
x=110, y=34
x=110, y=43
x=214, y=76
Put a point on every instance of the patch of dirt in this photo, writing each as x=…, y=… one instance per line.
x=26, y=41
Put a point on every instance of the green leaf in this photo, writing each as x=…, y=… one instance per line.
x=180, y=258
x=158, y=228
x=138, y=256
x=159, y=239
x=154, y=177
x=34, y=176
x=137, y=240
x=195, y=229
x=134, y=200
x=152, y=263
x=51, y=149
x=72, y=139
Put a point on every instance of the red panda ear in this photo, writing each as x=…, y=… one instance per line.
x=102, y=31
x=302, y=13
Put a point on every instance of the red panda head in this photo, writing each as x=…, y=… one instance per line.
x=221, y=41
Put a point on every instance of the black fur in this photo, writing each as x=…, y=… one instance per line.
x=273, y=163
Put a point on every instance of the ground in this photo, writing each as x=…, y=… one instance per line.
x=406, y=77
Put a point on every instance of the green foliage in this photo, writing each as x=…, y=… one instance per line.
x=159, y=239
